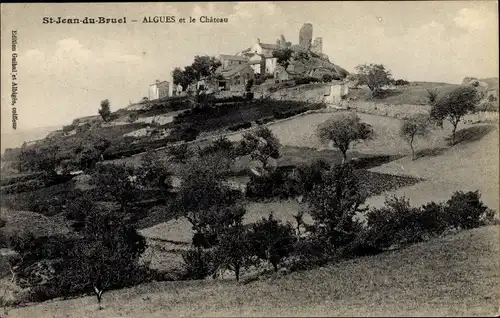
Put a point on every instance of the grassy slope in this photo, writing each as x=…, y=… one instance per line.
x=454, y=275
x=471, y=165
x=415, y=93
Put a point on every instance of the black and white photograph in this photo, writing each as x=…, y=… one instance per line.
x=250, y=159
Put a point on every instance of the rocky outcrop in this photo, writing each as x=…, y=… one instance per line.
x=310, y=64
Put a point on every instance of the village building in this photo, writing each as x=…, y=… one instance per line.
x=235, y=77
x=228, y=61
x=159, y=90
x=262, y=52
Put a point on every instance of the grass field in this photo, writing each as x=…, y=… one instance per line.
x=457, y=275
x=415, y=93
x=469, y=165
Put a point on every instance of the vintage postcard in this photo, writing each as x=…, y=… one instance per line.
x=283, y=158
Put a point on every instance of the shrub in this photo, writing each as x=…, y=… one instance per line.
x=180, y=153
x=198, y=263
x=189, y=134
x=465, y=210
x=306, y=80
x=68, y=128
x=393, y=224
x=290, y=113
x=308, y=176
x=275, y=184
x=327, y=78
x=264, y=120
x=272, y=240
x=244, y=125
x=308, y=253
x=401, y=82
x=222, y=145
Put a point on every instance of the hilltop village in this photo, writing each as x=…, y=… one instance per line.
x=271, y=167
x=260, y=63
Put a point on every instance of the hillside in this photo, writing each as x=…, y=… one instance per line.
x=450, y=276
x=158, y=117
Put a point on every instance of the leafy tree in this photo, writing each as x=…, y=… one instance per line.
x=415, y=126
x=249, y=85
x=107, y=256
x=272, y=240
x=454, y=106
x=375, y=76
x=205, y=66
x=206, y=201
x=334, y=203
x=261, y=144
x=117, y=183
x=283, y=56
x=432, y=95
x=233, y=251
x=342, y=130
x=202, y=67
x=154, y=171
x=105, y=110
x=183, y=78
x=309, y=175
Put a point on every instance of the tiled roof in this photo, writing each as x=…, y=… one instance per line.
x=233, y=57
x=233, y=70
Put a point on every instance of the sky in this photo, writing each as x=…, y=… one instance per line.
x=65, y=70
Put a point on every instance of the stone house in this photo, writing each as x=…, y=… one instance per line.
x=262, y=52
x=236, y=77
x=229, y=61
x=159, y=90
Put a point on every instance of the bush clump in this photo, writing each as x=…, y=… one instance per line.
x=397, y=223
x=198, y=263
x=244, y=125
x=306, y=80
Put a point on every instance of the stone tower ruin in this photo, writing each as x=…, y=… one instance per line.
x=305, y=36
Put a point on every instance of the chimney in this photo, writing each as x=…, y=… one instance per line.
x=257, y=41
